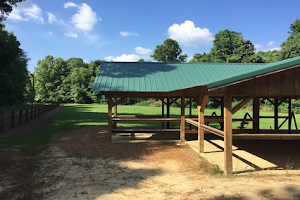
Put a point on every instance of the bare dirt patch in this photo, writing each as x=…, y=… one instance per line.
x=83, y=164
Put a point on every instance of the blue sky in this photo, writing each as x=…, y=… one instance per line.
x=124, y=30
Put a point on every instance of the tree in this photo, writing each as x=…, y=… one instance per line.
x=229, y=46
x=13, y=70
x=198, y=57
x=295, y=27
x=291, y=47
x=6, y=7
x=142, y=60
x=169, y=52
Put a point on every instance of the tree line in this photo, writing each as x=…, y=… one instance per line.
x=58, y=80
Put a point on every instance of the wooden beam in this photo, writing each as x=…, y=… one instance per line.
x=276, y=113
x=240, y=105
x=192, y=122
x=290, y=115
x=202, y=101
x=174, y=101
x=109, y=120
x=168, y=112
x=190, y=110
x=260, y=136
x=115, y=111
x=228, y=134
x=213, y=130
x=119, y=101
x=182, y=123
x=163, y=112
x=256, y=114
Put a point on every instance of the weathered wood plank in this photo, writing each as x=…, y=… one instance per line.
x=262, y=85
x=248, y=87
x=235, y=89
x=212, y=130
x=297, y=80
x=275, y=84
x=221, y=144
x=288, y=82
x=257, y=161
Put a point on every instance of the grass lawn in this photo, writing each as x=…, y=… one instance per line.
x=73, y=116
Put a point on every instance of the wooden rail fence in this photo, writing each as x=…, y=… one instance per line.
x=9, y=119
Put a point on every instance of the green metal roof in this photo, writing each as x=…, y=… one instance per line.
x=166, y=77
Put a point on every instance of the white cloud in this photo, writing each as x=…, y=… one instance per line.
x=189, y=35
x=50, y=33
x=123, y=58
x=257, y=46
x=70, y=4
x=26, y=11
x=271, y=43
x=128, y=33
x=143, y=51
x=85, y=19
x=71, y=34
x=51, y=18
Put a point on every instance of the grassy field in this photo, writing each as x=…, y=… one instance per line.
x=73, y=116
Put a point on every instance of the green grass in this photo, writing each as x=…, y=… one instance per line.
x=73, y=116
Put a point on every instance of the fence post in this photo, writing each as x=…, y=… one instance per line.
x=2, y=121
x=26, y=114
x=12, y=120
x=20, y=117
x=31, y=113
x=34, y=112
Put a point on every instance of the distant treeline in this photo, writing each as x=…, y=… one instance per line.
x=70, y=81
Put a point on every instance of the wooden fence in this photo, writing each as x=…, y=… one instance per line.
x=10, y=119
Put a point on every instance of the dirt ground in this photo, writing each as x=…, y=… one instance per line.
x=83, y=164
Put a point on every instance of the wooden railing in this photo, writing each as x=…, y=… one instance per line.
x=9, y=119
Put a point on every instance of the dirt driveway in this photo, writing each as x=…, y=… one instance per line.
x=83, y=164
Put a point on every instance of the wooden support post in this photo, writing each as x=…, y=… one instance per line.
x=256, y=114
x=2, y=121
x=20, y=117
x=182, y=122
x=290, y=116
x=12, y=119
x=109, y=121
x=276, y=113
x=168, y=112
x=222, y=112
x=163, y=112
x=26, y=114
x=34, y=112
x=190, y=107
x=201, y=104
x=227, y=135
x=115, y=111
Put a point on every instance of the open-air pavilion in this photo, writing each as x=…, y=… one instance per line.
x=276, y=82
